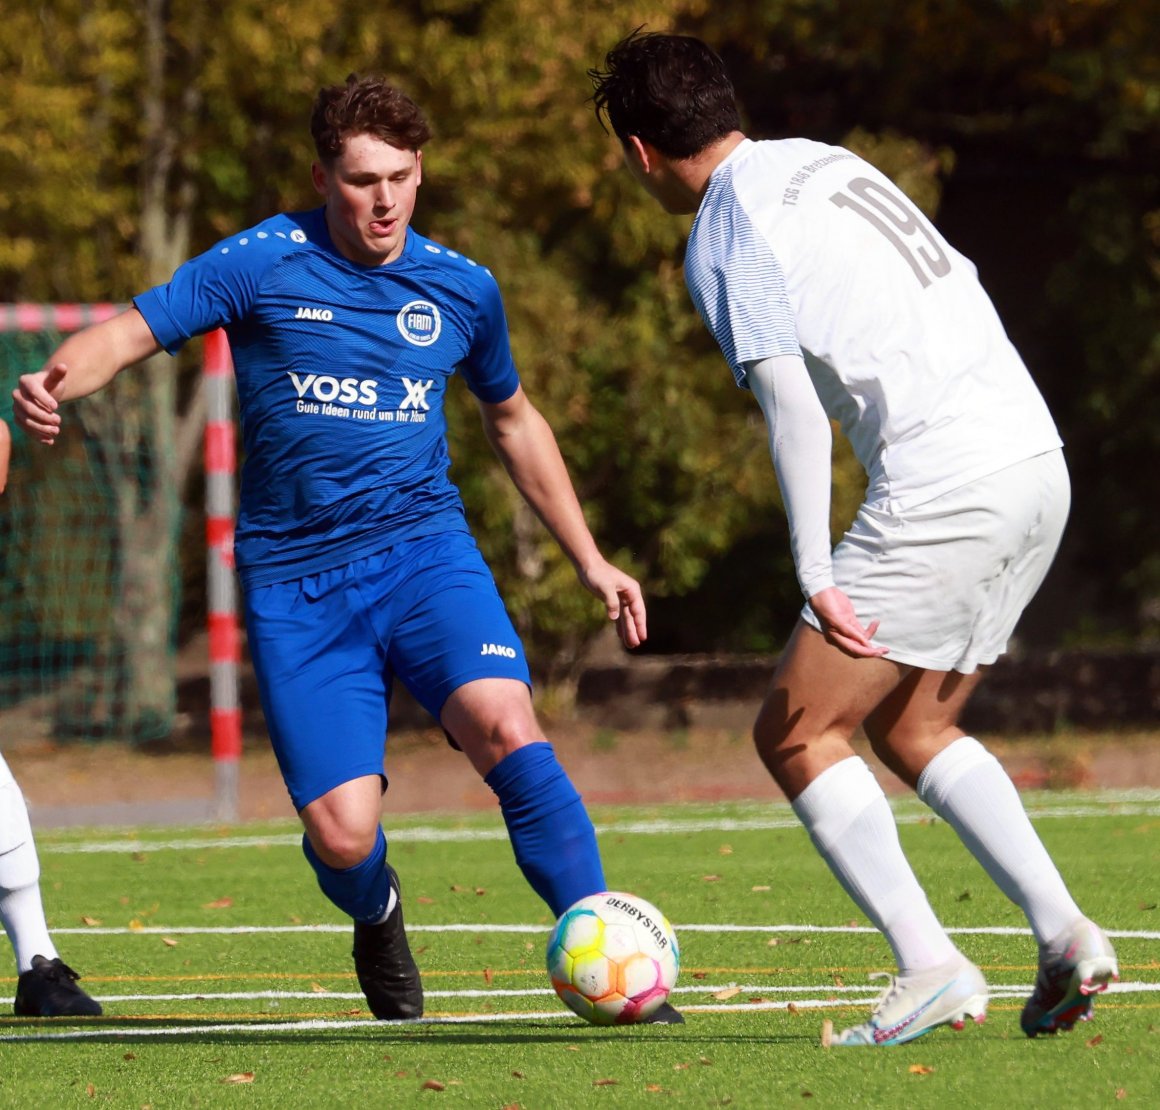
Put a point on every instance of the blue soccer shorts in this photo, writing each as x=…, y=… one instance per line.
x=327, y=648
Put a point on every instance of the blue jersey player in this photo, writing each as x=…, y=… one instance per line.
x=357, y=564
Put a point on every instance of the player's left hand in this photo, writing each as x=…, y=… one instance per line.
x=841, y=626
x=622, y=599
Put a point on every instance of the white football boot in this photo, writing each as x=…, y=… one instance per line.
x=1075, y=965
x=916, y=1004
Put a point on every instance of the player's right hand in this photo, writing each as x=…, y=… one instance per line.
x=35, y=402
x=841, y=626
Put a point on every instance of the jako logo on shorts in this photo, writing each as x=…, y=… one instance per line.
x=419, y=323
x=498, y=649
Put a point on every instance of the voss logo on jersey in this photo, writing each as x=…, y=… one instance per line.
x=327, y=389
x=419, y=323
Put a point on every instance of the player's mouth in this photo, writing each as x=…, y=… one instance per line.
x=381, y=229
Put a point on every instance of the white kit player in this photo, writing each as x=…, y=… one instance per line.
x=833, y=298
x=46, y=986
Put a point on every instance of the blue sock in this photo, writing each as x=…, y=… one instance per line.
x=363, y=891
x=551, y=834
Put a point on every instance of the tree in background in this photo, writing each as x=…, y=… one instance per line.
x=136, y=132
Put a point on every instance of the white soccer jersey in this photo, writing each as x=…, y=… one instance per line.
x=800, y=247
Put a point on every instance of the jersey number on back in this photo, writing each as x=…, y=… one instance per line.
x=904, y=227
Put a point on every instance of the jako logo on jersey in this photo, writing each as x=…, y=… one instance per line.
x=325, y=388
x=314, y=314
x=419, y=323
x=498, y=649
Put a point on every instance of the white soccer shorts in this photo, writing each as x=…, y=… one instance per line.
x=949, y=580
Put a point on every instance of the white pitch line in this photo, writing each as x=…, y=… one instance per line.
x=123, y=1033
x=486, y=927
x=1126, y=804
x=871, y=990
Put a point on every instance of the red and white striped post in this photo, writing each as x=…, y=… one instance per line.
x=224, y=648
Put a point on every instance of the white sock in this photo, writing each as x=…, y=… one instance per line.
x=392, y=902
x=968, y=788
x=849, y=820
x=21, y=911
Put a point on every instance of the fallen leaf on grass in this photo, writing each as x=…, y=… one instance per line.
x=240, y=1077
x=91, y=1091
x=488, y=976
x=760, y=889
x=791, y=1008
x=920, y=1069
x=517, y=1075
x=700, y=975
x=129, y=1056
x=480, y=890
x=725, y=850
x=86, y=920
x=605, y=1082
x=169, y=942
x=706, y=1061
x=318, y=988
x=571, y=1048
x=711, y=878
x=728, y=993
x=681, y=1067
x=655, y=1089
x=1121, y=1094
x=423, y=900
x=218, y=904
x=433, y=1085
x=1147, y=905
x=773, y=942
x=1097, y=1039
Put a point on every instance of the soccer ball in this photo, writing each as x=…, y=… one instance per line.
x=613, y=958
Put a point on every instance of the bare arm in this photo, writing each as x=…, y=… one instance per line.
x=529, y=452
x=5, y=453
x=82, y=364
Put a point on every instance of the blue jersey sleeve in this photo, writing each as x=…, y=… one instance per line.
x=216, y=288
x=489, y=369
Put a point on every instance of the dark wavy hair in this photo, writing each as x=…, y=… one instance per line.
x=365, y=106
x=669, y=90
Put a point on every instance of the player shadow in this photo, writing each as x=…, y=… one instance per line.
x=384, y=1034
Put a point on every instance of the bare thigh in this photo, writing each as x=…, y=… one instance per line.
x=918, y=719
x=489, y=718
x=817, y=698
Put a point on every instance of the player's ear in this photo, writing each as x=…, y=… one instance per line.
x=418, y=167
x=638, y=153
x=319, y=177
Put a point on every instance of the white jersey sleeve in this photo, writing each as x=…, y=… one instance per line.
x=740, y=292
x=800, y=441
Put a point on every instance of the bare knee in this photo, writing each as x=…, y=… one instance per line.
x=794, y=754
x=343, y=825
x=489, y=719
x=906, y=752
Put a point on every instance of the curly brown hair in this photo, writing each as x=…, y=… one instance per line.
x=365, y=106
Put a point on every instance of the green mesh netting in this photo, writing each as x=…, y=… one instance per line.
x=89, y=588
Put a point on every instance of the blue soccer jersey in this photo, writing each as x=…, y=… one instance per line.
x=342, y=371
